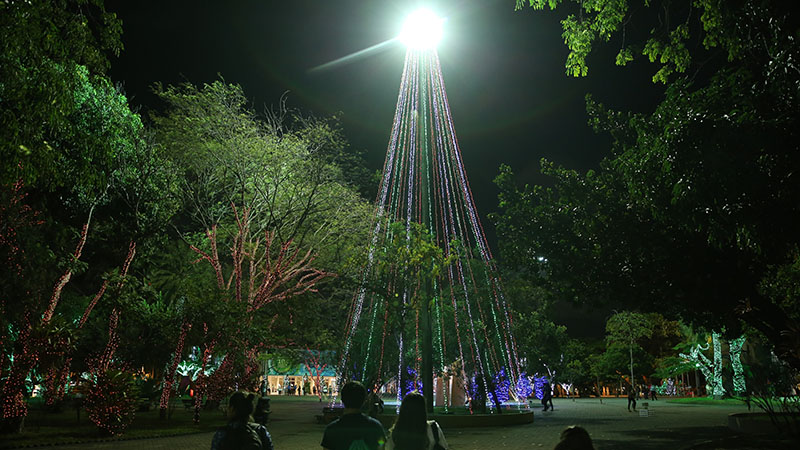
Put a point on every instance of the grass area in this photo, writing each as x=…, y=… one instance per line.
x=706, y=401
x=48, y=428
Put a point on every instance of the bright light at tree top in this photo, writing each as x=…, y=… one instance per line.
x=422, y=30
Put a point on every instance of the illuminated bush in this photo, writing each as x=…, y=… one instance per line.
x=111, y=400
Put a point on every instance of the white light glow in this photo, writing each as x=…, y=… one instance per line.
x=422, y=30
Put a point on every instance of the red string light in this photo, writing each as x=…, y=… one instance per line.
x=169, y=377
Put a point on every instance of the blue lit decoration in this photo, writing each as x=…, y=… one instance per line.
x=411, y=382
x=538, y=386
x=524, y=387
x=502, y=386
x=472, y=388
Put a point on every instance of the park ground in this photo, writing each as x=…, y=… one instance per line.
x=668, y=426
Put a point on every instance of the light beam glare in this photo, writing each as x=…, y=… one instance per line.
x=355, y=56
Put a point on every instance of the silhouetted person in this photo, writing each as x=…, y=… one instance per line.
x=261, y=413
x=547, y=396
x=412, y=430
x=632, y=398
x=241, y=433
x=374, y=404
x=574, y=438
x=354, y=426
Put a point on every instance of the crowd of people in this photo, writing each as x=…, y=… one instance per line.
x=355, y=430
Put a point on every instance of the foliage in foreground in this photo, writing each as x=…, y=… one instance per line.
x=695, y=214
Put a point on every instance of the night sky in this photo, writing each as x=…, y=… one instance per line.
x=504, y=73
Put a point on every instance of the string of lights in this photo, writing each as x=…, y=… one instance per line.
x=424, y=187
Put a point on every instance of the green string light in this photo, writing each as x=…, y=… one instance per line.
x=739, y=385
x=711, y=371
x=716, y=388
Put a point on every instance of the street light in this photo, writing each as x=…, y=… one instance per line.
x=422, y=30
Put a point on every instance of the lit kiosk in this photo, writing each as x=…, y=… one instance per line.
x=429, y=313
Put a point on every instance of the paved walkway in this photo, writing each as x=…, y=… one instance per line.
x=670, y=426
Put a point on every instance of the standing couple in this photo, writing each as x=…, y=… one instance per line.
x=411, y=431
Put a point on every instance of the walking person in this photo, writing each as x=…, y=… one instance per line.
x=412, y=430
x=241, y=433
x=632, y=398
x=547, y=396
x=653, y=392
x=354, y=428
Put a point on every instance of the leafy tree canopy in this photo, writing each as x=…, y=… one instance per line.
x=286, y=173
x=42, y=43
x=676, y=35
x=695, y=212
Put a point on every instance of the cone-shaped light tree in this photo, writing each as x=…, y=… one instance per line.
x=430, y=300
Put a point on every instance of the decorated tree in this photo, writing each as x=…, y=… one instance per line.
x=109, y=198
x=258, y=195
x=316, y=362
x=169, y=376
x=712, y=368
x=260, y=276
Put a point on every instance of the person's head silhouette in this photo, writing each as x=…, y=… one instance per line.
x=574, y=438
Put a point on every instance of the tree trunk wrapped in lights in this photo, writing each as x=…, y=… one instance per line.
x=314, y=366
x=15, y=408
x=61, y=374
x=200, y=382
x=64, y=279
x=739, y=383
x=270, y=279
x=257, y=279
x=112, y=394
x=30, y=344
x=711, y=370
x=169, y=376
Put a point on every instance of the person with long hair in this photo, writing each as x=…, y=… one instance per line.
x=241, y=433
x=412, y=430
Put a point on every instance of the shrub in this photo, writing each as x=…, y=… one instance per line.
x=112, y=400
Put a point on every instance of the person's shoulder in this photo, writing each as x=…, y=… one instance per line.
x=373, y=420
x=336, y=423
x=434, y=424
x=256, y=425
x=263, y=434
x=217, y=439
x=259, y=428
